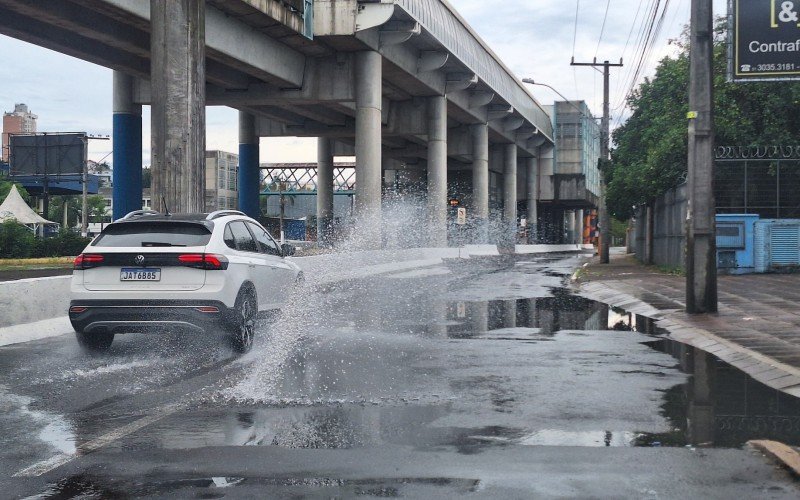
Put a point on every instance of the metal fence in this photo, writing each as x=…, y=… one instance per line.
x=758, y=180
x=763, y=180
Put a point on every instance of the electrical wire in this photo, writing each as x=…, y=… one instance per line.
x=602, y=29
x=574, y=42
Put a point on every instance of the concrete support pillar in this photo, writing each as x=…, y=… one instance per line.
x=368, y=147
x=509, y=314
x=701, y=406
x=127, y=156
x=571, y=226
x=479, y=317
x=509, y=232
x=324, y=191
x=580, y=218
x=437, y=171
x=649, y=245
x=178, y=78
x=249, y=178
x=480, y=181
x=533, y=199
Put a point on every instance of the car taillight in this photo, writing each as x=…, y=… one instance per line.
x=207, y=261
x=87, y=261
x=208, y=309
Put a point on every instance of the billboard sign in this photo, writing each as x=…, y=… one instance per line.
x=764, y=38
x=47, y=154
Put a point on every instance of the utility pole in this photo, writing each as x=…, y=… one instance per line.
x=85, y=189
x=701, y=265
x=605, y=217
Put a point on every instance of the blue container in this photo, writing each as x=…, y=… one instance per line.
x=777, y=245
x=736, y=243
x=295, y=229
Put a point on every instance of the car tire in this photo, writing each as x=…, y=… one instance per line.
x=242, y=324
x=95, y=341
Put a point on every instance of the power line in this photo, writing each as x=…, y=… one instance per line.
x=574, y=41
x=575, y=30
x=652, y=33
x=618, y=86
x=602, y=30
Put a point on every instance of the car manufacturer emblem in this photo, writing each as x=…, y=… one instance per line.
x=139, y=259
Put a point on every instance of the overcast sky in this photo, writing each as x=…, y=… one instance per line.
x=533, y=37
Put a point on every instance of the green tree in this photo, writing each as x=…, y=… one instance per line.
x=650, y=152
x=56, y=211
x=147, y=177
x=16, y=240
x=5, y=187
x=96, y=206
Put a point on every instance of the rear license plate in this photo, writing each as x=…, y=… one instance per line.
x=140, y=274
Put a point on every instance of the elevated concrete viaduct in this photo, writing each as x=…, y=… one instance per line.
x=400, y=84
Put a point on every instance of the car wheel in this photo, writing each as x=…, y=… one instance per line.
x=95, y=341
x=243, y=322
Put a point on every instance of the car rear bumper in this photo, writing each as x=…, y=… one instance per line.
x=142, y=316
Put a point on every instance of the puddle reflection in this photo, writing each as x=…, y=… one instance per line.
x=544, y=315
x=721, y=405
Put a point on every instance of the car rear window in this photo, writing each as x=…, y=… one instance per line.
x=164, y=234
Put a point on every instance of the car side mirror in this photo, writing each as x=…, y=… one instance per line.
x=287, y=250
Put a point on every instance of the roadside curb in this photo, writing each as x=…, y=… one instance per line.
x=785, y=455
x=764, y=369
x=27, y=332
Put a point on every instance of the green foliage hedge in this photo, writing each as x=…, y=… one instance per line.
x=18, y=242
x=651, y=152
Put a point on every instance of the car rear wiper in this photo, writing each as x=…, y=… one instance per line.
x=159, y=244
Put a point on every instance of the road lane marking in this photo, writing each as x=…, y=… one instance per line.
x=57, y=461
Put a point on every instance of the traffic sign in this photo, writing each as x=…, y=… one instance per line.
x=461, y=217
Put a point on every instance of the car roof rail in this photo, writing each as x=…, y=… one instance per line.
x=139, y=213
x=222, y=213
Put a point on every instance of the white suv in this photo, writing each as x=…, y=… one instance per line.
x=161, y=272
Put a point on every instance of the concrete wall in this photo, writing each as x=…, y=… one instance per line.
x=669, y=214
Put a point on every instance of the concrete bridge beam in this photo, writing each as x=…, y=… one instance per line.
x=249, y=178
x=178, y=110
x=437, y=171
x=369, y=103
x=127, y=156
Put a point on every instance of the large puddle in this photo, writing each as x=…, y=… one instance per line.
x=447, y=373
x=340, y=403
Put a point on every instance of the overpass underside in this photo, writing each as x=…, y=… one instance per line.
x=402, y=85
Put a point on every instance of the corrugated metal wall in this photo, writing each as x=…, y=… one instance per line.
x=669, y=214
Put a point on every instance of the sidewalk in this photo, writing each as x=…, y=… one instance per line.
x=757, y=328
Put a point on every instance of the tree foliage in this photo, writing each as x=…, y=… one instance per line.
x=5, y=188
x=650, y=155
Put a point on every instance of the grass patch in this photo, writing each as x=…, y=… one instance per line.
x=670, y=270
x=37, y=263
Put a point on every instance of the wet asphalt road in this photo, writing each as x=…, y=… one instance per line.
x=481, y=378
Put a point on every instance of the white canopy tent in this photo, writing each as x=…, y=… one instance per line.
x=14, y=207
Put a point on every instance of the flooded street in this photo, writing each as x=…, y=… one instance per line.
x=483, y=377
